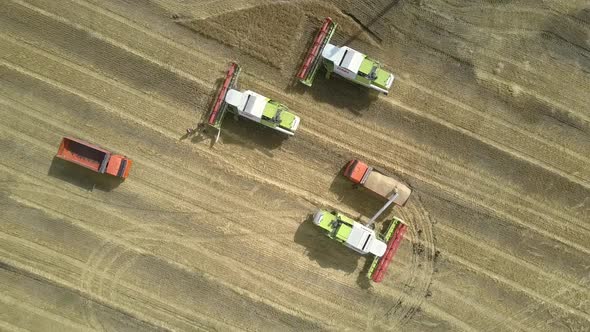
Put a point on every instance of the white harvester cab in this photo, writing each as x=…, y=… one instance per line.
x=248, y=103
x=346, y=60
x=364, y=240
x=261, y=109
x=347, y=63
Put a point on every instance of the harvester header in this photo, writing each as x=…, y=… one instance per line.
x=220, y=106
x=313, y=59
x=393, y=235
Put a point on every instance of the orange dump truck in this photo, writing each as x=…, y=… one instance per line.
x=93, y=157
x=382, y=185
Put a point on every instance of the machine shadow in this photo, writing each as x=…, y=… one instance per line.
x=363, y=281
x=337, y=92
x=247, y=133
x=201, y=131
x=328, y=253
x=82, y=177
x=367, y=27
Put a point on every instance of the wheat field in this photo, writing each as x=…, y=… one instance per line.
x=488, y=121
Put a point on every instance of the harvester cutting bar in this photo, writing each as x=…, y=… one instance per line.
x=219, y=108
x=380, y=265
x=312, y=60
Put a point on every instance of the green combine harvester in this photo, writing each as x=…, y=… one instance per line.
x=363, y=239
x=250, y=105
x=344, y=61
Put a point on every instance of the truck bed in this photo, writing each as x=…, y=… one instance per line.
x=83, y=154
x=386, y=186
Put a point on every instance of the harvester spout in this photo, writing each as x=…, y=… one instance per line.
x=389, y=201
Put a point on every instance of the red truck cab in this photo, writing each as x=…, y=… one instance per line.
x=93, y=157
x=355, y=171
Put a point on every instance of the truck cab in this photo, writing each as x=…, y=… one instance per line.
x=264, y=110
x=118, y=165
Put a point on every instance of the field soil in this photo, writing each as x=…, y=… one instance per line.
x=488, y=121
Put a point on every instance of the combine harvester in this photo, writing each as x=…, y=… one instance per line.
x=344, y=61
x=250, y=105
x=93, y=157
x=363, y=239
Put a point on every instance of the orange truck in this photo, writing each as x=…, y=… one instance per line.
x=387, y=187
x=94, y=157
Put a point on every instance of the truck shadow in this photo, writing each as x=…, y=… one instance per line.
x=325, y=251
x=82, y=177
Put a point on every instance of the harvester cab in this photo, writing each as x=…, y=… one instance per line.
x=363, y=239
x=344, y=61
x=349, y=232
x=250, y=105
